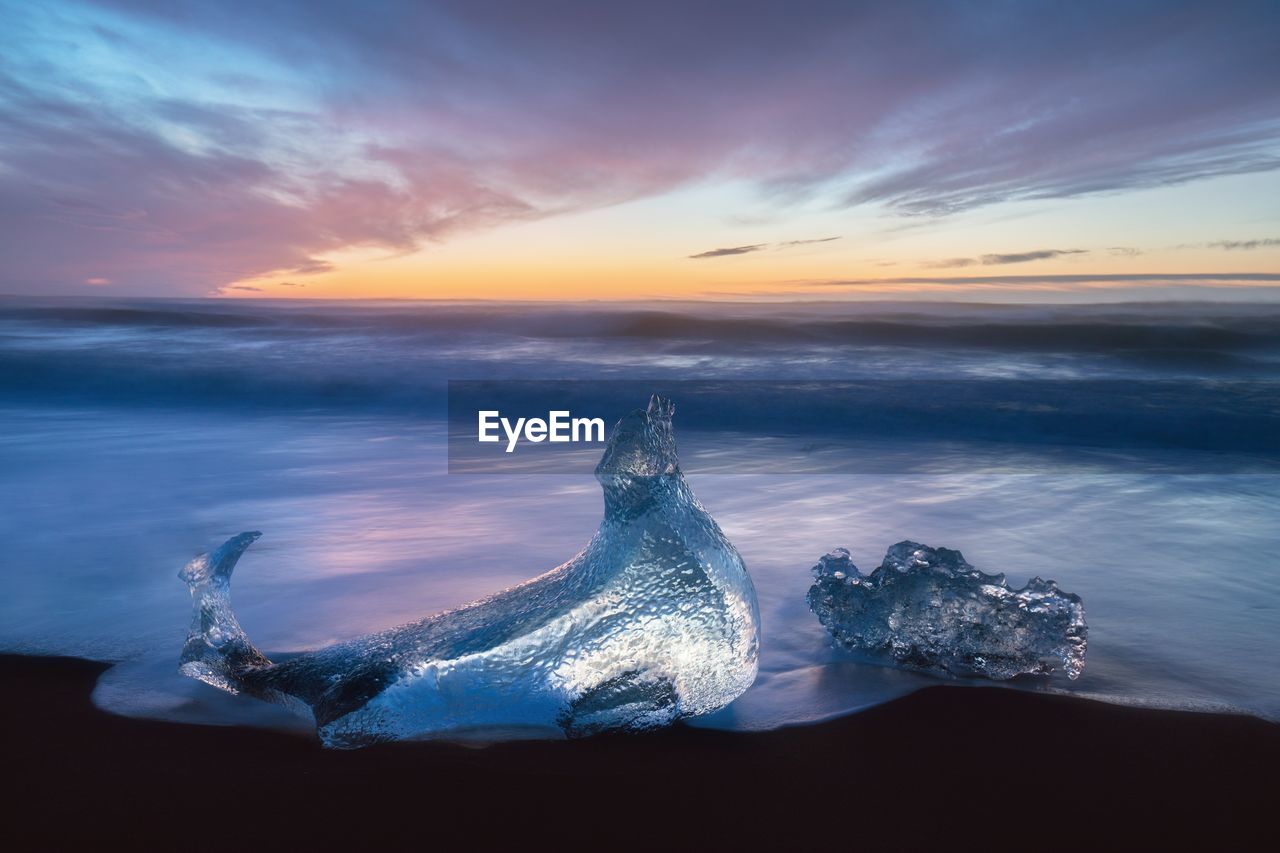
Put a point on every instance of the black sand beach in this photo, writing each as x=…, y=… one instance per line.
x=962, y=768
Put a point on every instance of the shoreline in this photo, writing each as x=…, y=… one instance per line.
x=969, y=768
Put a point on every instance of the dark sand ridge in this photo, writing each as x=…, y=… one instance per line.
x=979, y=768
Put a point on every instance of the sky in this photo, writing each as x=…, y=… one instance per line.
x=1010, y=151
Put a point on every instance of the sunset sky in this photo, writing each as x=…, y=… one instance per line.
x=981, y=150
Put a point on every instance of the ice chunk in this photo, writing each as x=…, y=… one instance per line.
x=654, y=620
x=927, y=609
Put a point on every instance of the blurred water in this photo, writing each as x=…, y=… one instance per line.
x=128, y=443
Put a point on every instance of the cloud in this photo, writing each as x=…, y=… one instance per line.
x=312, y=266
x=732, y=250
x=138, y=157
x=757, y=247
x=1024, y=257
x=786, y=243
x=242, y=287
x=1124, y=251
x=1083, y=278
x=1112, y=287
x=86, y=192
x=1011, y=258
x=1231, y=245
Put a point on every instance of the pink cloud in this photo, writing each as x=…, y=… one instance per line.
x=416, y=122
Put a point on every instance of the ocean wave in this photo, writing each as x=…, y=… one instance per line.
x=1159, y=326
x=398, y=357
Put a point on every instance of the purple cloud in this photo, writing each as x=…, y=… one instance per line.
x=757, y=247
x=785, y=243
x=732, y=250
x=1231, y=245
x=391, y=127
x=1009, y=258
x=1082, y=278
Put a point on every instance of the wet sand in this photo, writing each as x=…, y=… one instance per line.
x=968, y=768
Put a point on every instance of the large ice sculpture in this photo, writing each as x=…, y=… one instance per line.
x=654, y=620
x=927, y=609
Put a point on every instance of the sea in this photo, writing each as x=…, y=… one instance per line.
x=1129, y=452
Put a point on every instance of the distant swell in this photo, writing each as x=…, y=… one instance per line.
x=398, y=357
x=1172, y=327
x=1238, y=334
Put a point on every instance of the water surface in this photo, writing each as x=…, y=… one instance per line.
x=134, y=435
